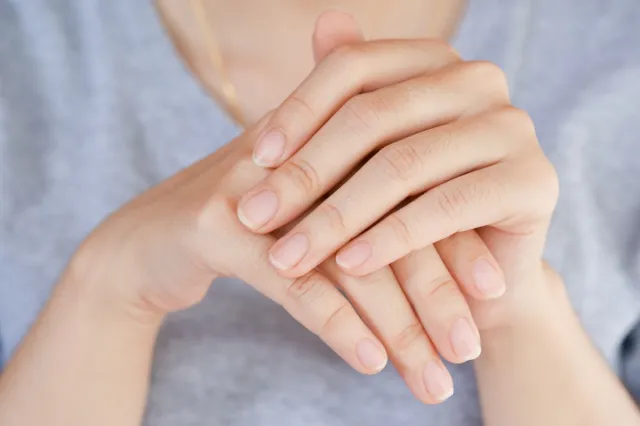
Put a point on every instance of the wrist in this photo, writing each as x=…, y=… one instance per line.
x=93, y=287
x=537, y=308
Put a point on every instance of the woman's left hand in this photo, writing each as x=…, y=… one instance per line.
x=436, y=155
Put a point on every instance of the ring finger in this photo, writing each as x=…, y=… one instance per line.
x=380, y=301
x=363, y=125
x=397, y=172
x=439, y=303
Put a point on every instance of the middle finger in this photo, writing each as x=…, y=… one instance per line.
x=363, y=125
x=399, y=171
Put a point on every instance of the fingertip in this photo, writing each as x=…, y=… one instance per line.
x=465, y=340
x=493, y=296
x=372, y=356
x=287, y=253
x=488, y=279
x=334, y=28
x=437, y=382
x=259, y=162
x=243, y=219
x=281, y=267
x=269, y=149
x=257, y=209
x=261, y=124
x=354, y=255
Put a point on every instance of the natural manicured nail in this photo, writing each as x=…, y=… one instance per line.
x=437, y=381
x=464, y=340
x=354, y=255
x=259, y=209
x=488, y=280
x=289, y=252
x=269, y=148
x=371, y=355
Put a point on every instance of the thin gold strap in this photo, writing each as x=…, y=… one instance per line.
x=215, y=56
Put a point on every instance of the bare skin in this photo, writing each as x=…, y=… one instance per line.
x=87, y=358
x=266, y=63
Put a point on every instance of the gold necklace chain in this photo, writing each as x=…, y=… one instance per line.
x=227, y=89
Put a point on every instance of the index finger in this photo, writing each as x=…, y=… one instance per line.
x=346, y=72
x=314, y=301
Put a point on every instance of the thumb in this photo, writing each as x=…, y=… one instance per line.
x=334, y=29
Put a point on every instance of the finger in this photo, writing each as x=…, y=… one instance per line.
x=365, y=124
x=513, y=197
x=472, y=265
x=380, y=301
x=312, y=300
x=440, y=304
x=398, y=171
x=334, y=29
x=345, y=72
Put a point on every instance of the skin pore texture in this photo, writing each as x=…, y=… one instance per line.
x=265, y=45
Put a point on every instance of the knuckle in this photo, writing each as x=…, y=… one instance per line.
x=306, y=289
x=334, y=216
x=374, y=280
x=401, y=162
x=206, y=218
x=347, y=57
x=361, y=114
x=450, y=201
x=442, y=287
x=335, y=320
x=299, y=108
x=407, y=338
x=488, y=74
x=302, y=174
x=242, y=168
x=210, y=221
x=443, y=47
x=401, y=229
x=549, y=183
x=520, y=119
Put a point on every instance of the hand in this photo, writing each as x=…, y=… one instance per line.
x=160, y=253
x=450, y=155
x=420, y=281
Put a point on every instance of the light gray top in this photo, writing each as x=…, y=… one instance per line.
x=95, y=106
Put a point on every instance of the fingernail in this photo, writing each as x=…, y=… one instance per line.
x=464, y=340
x=437, y=381
x=371, y=355
x=258, y=209
x=269, y=148
x=355, y=255
x=489, y=281
x=289, y=253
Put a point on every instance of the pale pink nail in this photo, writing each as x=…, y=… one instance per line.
x=372, y=356
x=288, y=253
x=437, y=381
x=488, y=280
x=258, y=209
x=354, y=255
x=465, y=340
x=269, y=149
